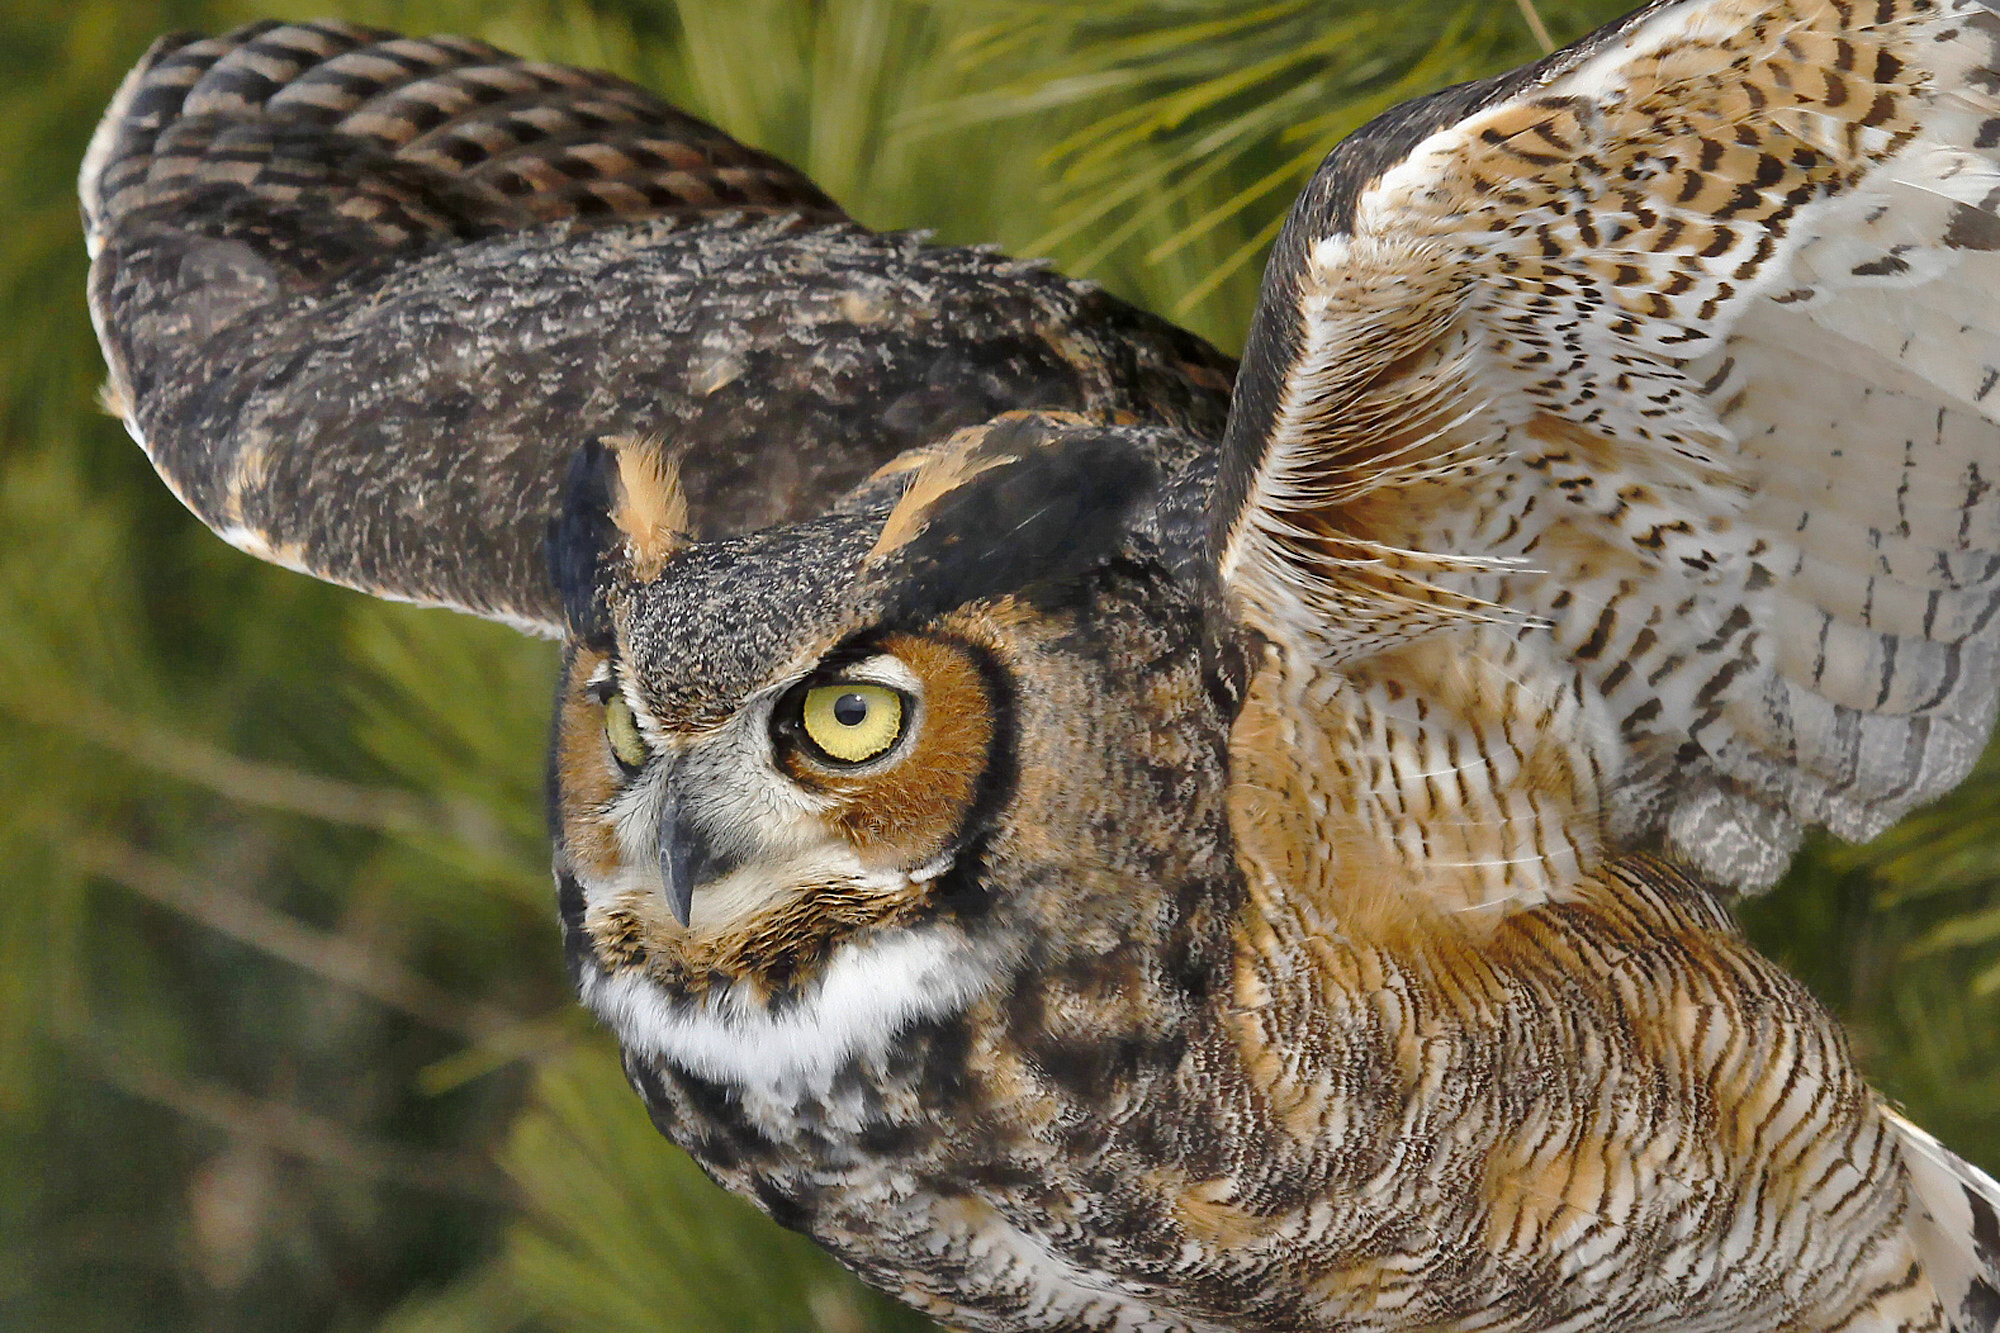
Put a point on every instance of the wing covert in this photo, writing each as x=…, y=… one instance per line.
x=1658, y=378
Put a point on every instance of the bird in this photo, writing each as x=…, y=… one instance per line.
x=1104, y=836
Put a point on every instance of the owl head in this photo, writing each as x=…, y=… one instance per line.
x=854, y=768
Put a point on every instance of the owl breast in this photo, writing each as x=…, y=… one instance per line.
x=1591, y=1132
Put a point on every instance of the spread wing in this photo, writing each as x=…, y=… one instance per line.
x=362, y=296
x=1614, y=457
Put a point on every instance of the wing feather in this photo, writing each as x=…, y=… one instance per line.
x=1723, y=285
x=362, y=296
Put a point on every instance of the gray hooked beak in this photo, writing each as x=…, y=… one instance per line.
x=687, y=858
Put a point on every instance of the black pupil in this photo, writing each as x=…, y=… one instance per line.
x=850, y=710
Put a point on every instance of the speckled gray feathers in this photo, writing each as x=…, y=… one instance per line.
x=385, y=394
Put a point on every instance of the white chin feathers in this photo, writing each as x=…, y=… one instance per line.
x=869, y=993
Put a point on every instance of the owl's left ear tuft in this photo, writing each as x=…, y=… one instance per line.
x=621, y=492
x=651, y=506
x=1028, y=498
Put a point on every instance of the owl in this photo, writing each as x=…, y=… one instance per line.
x=1100, y=837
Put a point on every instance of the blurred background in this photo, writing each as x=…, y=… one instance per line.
x=284, y=1038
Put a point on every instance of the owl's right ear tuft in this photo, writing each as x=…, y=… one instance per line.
x=580, y=535
x=1027, y=499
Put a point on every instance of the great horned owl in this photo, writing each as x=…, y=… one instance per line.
x=1097, y=852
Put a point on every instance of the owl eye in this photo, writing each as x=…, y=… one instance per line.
x=849, y=722
x=621, y=729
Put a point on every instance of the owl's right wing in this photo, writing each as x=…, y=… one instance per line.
x=363, y=296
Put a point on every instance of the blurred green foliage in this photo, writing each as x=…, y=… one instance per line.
x=284, y=1040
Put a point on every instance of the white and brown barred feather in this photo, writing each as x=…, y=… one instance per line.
x=1669, y=360
x=363, y=296
x=398, y=140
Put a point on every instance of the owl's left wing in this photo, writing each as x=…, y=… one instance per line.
x=1615, y=454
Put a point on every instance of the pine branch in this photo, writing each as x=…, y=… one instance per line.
x=294, y=1131
x=332, y=957
x=263, y=785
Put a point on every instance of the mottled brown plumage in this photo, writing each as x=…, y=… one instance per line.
x=1092, y=868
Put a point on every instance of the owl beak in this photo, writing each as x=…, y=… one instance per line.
x=687, y=858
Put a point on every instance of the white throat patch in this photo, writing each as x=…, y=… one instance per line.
x=868, y=994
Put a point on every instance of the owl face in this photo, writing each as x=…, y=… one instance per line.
x=786, y=757
x=827, y=800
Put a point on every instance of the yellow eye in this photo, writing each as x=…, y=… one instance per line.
x=622, y=730
x=850, y=722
